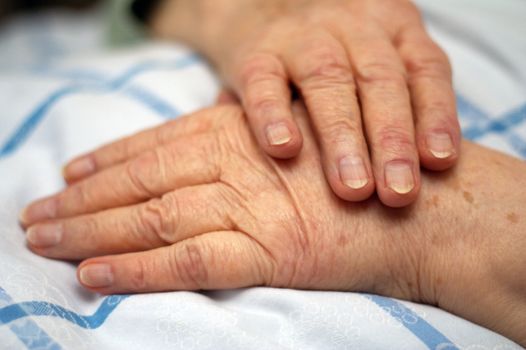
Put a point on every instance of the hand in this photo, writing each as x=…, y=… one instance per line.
x=377, y=88
x=195, y=204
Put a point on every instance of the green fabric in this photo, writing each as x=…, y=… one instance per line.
x=123, y=29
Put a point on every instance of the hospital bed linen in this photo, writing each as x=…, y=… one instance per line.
x=62, y=93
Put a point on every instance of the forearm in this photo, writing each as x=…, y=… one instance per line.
x=472, y=220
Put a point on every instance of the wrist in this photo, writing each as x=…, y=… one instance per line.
x=473, y=242
x=459, y=247
x=212, y=27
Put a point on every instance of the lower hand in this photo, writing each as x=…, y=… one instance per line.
x=197, y=205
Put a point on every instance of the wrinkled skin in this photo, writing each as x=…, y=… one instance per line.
x=377, y=88
x=195, y=204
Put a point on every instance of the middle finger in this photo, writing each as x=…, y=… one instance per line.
x=387, y=115
x=324, y=76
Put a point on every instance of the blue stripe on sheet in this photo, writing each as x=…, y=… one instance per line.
x=69, y=74
x=469, y=111
x=138, y=94
x=27, y=331
x=500, y=125
x=18, y=311
x=481, y=124
x=31, y=122
x=428, y=334
x=156, y=104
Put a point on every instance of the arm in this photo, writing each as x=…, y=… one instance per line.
x=204, y=208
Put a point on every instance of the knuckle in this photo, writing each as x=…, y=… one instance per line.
x=158, y=217
x=439, y=115
x=218, y=150
x=261, y=67
x=91, y=230
x=327, y=67
x=435, y=66
x=263, y=103
x=118, y=150
x=191, y=267
x=219, y=116
x=138, y=278
x=380, y=73
x=395, y=139
x=98, y=157
x=137, y=172
x=79, y=194
x=441, y=111
x=339, y=131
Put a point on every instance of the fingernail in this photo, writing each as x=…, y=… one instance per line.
x=38, y=211
x=278, y=134
x=440, y=145
x=96, y=275
x=80, y=168
x=353, y=173
x=44, y=236
x=399, y=177
x=22, y=216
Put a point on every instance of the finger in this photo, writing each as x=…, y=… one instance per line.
x=129, y=147
x=227, y=97
x=387, y=116
x=218, y=260
x=323, y=74
x=176, y=216
x=190, y=161
x=262, y=83
x=433, y=99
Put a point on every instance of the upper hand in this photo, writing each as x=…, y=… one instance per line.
x=377, y=88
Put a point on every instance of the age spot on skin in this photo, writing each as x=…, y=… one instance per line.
x=432, y=202
x=438, y=281
x=468, y=197
x=513, y=218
